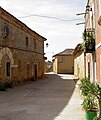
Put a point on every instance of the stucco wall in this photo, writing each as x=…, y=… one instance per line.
x=55, y=66
x=65, y=64
x=79, y=65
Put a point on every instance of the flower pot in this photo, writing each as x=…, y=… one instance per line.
x=90, y=115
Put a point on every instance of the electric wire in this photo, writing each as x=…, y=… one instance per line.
x=50, y=17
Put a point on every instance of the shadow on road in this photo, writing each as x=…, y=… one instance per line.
x=65, y=85
x=39, y=100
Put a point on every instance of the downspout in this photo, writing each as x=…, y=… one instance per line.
x=93, y=58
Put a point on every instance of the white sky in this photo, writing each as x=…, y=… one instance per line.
x=60, y=34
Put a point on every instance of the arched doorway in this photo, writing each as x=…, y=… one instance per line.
x=6, y=61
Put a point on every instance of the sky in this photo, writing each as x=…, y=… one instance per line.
x=53, y=19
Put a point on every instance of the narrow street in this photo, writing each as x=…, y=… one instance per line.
x=53, y=98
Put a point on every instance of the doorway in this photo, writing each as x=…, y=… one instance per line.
x=88, y=69
x=35, y=72
x=8, y=69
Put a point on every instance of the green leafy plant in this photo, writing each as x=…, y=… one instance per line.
x=90, y=103
x=87, y=88
x=89, y=39
x=4, y=86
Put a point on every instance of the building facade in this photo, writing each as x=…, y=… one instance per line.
x=21, y=50
x=48, y=66
x=97, y=4
x=79, y=62
x=64, y=62
x=89, y=40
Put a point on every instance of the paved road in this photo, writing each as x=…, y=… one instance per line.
x=52, y=98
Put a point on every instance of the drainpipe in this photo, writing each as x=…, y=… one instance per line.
x=93, y=58
x=85, y=63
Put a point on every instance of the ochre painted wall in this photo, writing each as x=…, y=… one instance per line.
x=64, y=64
x=79, y=65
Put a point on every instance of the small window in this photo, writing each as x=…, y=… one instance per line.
x=8, y=69
x=61, y=59
x=34, y=43
x=26, y=41
x=28, y=67
x=88, y=69
x=28, y=70
x=19, y=66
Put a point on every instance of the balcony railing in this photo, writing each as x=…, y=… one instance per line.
x=89, y=41
x=89, y=48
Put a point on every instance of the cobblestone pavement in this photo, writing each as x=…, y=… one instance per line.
x=54, y=98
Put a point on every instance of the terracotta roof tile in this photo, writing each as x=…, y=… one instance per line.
x=65, y=52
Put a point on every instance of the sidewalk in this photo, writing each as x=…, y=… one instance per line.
x=73, y=110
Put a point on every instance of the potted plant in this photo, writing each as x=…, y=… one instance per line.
x=2, y=87
x=90, y=100
x=90, y=105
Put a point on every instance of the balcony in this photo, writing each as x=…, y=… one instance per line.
x=89, y=41
x=89, y=48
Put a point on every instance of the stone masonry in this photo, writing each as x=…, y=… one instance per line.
x=21, y=50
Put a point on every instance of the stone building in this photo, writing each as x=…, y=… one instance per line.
x=63, y=62
x=21, y=50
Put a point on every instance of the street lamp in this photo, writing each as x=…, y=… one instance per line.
x=88, y=8
x=47, y=45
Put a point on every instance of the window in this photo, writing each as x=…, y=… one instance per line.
x=28, y=67
x=34, y=43
x=8, y=69
x=5, y=31
x=88, y=69
x=26, y=41
x=19, y=66
x=60, y=59
x=99, y=10
x=28, y=70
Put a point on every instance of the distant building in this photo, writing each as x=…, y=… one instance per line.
x=64, y=62
x=21, y=50
x=48, y=66
x=79, y=62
